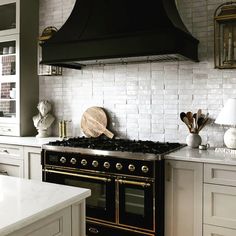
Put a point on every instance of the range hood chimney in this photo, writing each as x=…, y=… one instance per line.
x=120, y=31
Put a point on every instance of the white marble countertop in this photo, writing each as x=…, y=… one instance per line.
x=26, y=141
x=23, y=202
x=206, y=156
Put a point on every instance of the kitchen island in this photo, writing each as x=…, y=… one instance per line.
x=35, y=208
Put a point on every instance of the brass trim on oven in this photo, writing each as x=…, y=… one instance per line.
x=141, y=184
x=79, y=175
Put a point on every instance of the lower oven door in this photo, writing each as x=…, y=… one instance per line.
x=101, y=203
x=136, y=204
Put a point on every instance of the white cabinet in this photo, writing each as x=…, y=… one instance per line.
x=67, y=222
x=32, y=163
x=11, y=160
x=210, y=230
x=220, y=174
x=220, y=205
x=219, y=200
x=21, y=161
x=56, y=224
x=18, y=66
x=183, y=198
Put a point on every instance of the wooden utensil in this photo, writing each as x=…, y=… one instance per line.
x=199, y=112
x=184, y=118
x=189, y=115
x=94, y=122
x=182, y=115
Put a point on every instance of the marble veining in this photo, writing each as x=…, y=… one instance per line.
x=206, y=156
x=23, y=202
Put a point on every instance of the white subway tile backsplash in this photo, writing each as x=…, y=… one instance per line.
x=144, y=100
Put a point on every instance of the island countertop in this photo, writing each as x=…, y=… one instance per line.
x=23, y=202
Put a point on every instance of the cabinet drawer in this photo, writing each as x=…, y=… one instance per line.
x=209, y=230
x=219, y=205
x=9, y=129
x=12, y=168
x=220, y=174
x=11, y=151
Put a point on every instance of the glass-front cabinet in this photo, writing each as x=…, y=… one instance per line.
x=9, y=17
x=9, y=78
x=18, y=66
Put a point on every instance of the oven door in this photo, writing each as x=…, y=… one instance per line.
x=136, y=203
x=101, y=203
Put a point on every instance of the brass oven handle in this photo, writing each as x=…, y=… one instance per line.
x=79, y=175
x=142, y=184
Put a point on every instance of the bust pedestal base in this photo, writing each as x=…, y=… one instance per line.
x=42, y=133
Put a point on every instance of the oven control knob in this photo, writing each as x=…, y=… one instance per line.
x=144, y=169
x=63, y=160
x=83, y=162
x=95, y=163
x=73, y=161
x=106, y=165
x=119, y=166
x=131, y=167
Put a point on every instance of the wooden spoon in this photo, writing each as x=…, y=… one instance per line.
x=184, y=118
x=189, y=115
x=182, y=115
x=199, y=112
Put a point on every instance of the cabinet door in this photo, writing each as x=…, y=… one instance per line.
x=32, y=163
x=58, y=224
x=219, y=205
x=9, y=17
x=9, y=85
x=183, y=198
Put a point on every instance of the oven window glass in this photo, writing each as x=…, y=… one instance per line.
x=136, y=205
x=134, y=201
x=98, y=192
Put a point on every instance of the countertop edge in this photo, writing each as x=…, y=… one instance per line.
x=26, y=141
x=202, y=156
x=43, y=214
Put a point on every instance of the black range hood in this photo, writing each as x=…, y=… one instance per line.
x=120, y=31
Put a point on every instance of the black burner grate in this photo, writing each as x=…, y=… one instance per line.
x=123, y=145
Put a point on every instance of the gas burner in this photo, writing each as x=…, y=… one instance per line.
x=123, y=145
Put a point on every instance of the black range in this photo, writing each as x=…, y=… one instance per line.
x=126, y=178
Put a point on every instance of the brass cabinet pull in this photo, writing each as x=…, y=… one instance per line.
x=142, y=184
x=79, y=175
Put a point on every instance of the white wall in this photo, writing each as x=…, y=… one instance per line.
x=144, y=100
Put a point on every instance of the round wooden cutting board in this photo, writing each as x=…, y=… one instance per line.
x=94, y=123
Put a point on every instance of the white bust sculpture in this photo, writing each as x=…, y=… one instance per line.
x=44, y=119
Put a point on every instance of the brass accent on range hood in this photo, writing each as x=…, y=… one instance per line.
x=120, y=31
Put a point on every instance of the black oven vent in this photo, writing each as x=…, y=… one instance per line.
x=120, y=31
